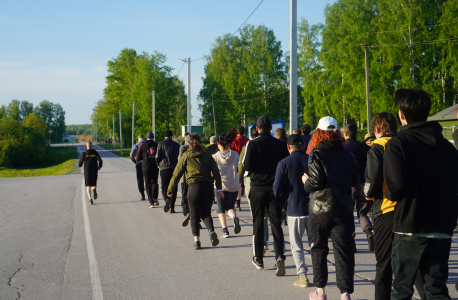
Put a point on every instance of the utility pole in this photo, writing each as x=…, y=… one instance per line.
x=114, y=136
x=133, y=124
x=108, y=136
x=343, y=105
x=368, y=100
x=154, y=113
x=103, y=135
x=293, y=68
x=214, y=118
x=188, y=61
x=120, y=132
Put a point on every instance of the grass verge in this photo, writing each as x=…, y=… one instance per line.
x=64, y=163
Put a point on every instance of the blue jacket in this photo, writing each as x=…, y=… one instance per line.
x=133, y=153
x=290, y=171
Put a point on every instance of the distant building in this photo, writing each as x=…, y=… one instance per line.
x=448, y=120
x=194, y=128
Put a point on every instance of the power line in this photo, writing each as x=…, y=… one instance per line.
x=172, y=82
x=416, y=43
x=401, y=30
x=237, y=28
x=247, y=100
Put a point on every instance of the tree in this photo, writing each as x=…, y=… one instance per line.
x=13, y=110
x=34, y=122
x=25, y=109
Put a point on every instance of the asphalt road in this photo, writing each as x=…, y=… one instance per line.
x=55, y=247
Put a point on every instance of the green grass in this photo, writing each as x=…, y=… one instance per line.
x=64, y=163
x=125, y=151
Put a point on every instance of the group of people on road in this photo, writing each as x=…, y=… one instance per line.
x=404, y=184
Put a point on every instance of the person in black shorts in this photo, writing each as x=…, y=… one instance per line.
x=92, y=164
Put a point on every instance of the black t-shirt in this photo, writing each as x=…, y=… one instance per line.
x=92, y=161
x=147, y=153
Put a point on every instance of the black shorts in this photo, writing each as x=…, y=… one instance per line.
x=90, y=179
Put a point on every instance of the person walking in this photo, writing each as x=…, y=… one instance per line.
x=306, y=129
x=213, y=147
x=200, y=169
x=363, y=206
x=289, y=172
x=167, y=158
x=240, y=141
x=227, y=161
x=333, y=171
x=261, y=159
x=138, y=166
x=147, y=153
x=92, y=165
x=426, y=196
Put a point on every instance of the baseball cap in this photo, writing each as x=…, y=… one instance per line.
x=150, y=135
x=294, y=139
x=326, y=122
x=264, y=121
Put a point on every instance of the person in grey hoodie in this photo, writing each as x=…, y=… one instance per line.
x=138, y=165
x=227, y=161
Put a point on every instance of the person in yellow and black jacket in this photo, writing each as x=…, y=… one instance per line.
x=385, y=127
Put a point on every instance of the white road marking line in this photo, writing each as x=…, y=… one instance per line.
x=95, y=279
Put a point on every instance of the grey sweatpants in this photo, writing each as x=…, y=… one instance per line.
x=297, y=227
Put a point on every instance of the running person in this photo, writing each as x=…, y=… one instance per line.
x=92, y=164
x=227, y=161
x=240, y=141
x=147, y=153
x=199, y=167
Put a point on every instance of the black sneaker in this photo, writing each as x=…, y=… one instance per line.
x=171, y=211
x=143, y=197
x=91, y=203
x=167, y=205
x=186, y=220
x=151, y=205
x=237, y=228
x=225, y=233
x=257, y=262
x=280, y=267
x=197, y=246
x=214, y=238
x=94, y=191
x=156, y=202
x=370, y=239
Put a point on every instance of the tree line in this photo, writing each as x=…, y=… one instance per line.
x=132, y=77
x=78, y=129
x=25, y=132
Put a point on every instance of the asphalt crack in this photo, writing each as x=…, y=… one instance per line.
x=10, y=279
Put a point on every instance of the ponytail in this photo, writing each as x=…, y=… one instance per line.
x=226, y=140
x=195, y=142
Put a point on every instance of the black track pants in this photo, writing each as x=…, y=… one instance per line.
x=150, y=176
x=184, y=198
x=166, y=176
x=341, y=230
x=200, y=199
x=140, y=183
x=261, y=201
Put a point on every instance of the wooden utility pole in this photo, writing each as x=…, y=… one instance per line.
x=120, y=131
x=214, y=118
x=293, y=67
x=368, y=100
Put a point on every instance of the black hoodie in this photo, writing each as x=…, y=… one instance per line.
x=421, y=173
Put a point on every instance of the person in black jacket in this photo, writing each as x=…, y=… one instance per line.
x=363, y=206
x=147, y=153
x=306, y=129
x=426, y=194
x=167, y=159
x=261, y=158
x=333, y=171
x=92, y=164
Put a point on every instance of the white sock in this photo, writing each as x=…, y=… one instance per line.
x=343, y=295
x=319, y=293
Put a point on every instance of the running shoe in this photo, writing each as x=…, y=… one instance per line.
x=143, y=197
x=280, y=267
x=186, y=220
x=94, y=191
x=151, y=205
x=91, y=203
x=346, y=297
x=313, y=295
x=257, y=262
x=156, y=202
x=302, y=281
x=214, y=238
x=370, y=239
x=225, y=233
x=237, y=228
x=197, y=246
x=167, y=205
x=172, y=211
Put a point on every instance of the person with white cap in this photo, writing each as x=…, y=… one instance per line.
x=333, y=170
x=147, y=153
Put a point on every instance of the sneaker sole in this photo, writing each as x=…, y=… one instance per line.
x=225, y=236
x=257, y=267
x=214, y=239
x=280, y=268
x=307, y=284
x=186, y=221
x=237, y=228
x=166, y=206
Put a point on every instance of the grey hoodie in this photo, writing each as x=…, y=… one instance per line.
x=227, y=162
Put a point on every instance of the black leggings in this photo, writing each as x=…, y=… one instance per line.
x=150, y=176
x=200, y=199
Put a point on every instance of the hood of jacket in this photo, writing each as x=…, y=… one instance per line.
x=187, y=139
x=193, y=153
x=140, y=142
x=428, y=132
x=212, y=149
x=225, y=158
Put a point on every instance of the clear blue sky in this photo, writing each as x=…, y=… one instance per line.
x=58, y=50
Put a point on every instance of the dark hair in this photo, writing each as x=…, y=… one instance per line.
x=254, y=132
x=226, y=140
x=414, y=104
x=306, y=129
x=295, y=147
x=186, y=134
x=296, y=131
x=195, y=142
x=240, y=130
x=385, y=122
x=168, y=133
x=351, y=130
x=280, y=132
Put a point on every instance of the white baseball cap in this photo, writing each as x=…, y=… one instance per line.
x=326, y=122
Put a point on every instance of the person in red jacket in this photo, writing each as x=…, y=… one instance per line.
x=237, y=145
